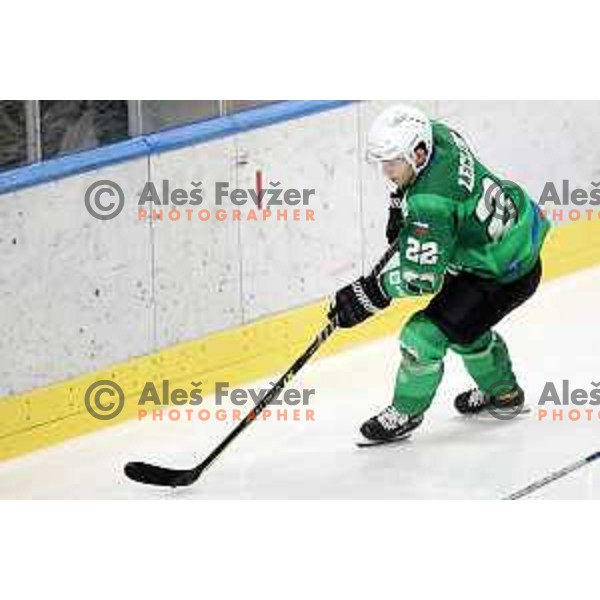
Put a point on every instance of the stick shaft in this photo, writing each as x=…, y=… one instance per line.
x=287, y=376
x=536, y=485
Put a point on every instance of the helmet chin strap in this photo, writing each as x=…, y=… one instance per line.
x=411, y=160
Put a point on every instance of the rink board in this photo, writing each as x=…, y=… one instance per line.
x=49, y=415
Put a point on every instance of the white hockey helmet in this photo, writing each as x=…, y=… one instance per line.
x=397, y=132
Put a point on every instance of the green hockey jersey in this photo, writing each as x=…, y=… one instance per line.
x=458, y=216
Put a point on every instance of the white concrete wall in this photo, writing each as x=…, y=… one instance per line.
x=532, y=142
x=196, y=264
x=77, y=294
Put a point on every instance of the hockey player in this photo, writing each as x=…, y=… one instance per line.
x=462, y=234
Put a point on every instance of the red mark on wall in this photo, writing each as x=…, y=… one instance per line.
x=259, y=188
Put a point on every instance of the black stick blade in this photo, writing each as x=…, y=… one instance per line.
x=153, y=475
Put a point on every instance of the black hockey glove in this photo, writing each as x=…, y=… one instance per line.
x=356, y=302
x=395, y=217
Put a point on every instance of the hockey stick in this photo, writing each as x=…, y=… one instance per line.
x=155, y=475
x=536, y=485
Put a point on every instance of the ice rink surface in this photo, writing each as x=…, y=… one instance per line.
x=554, y=336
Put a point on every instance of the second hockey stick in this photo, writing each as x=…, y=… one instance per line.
x=536, y=485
